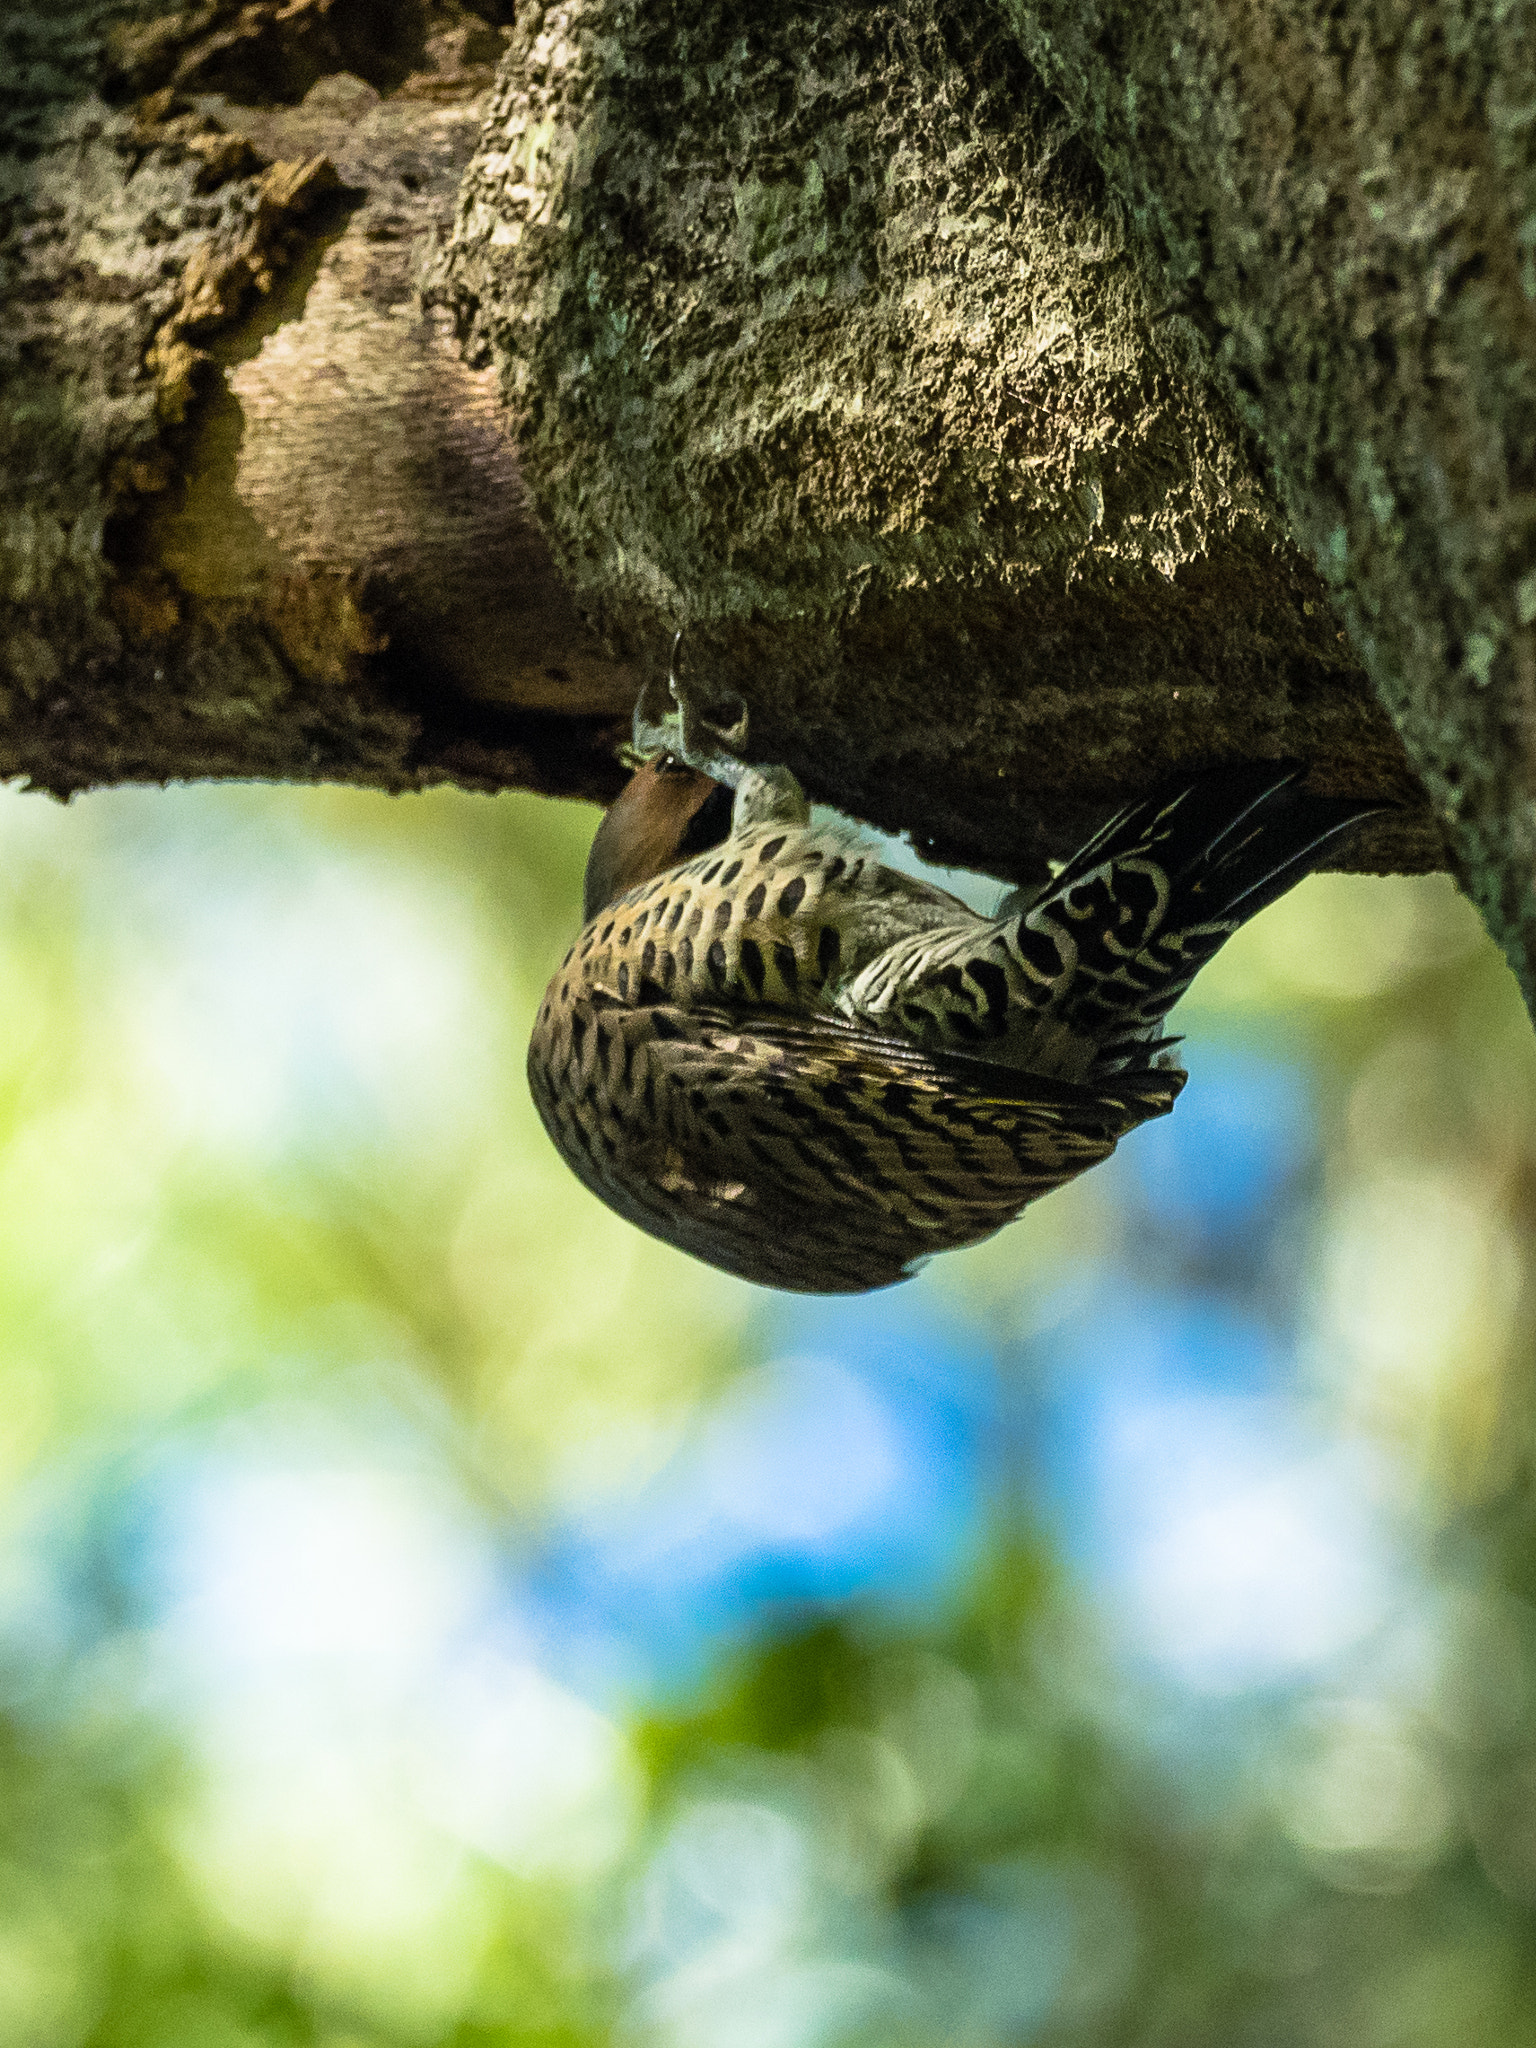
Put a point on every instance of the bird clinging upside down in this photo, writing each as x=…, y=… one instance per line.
x=803, y=1066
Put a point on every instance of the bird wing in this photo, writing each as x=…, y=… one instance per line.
x=806, y=1152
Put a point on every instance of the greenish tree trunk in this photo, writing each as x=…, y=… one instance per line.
x=1341, y=199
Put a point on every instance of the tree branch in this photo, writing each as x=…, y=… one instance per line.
x=981, y=389
x=259, y=519
x=822, y=338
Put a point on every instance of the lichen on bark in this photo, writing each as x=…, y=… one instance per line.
x=823, y=340
x=1341, y=200
x=1017, y=403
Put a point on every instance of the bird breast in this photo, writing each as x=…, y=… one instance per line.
x=774, y=915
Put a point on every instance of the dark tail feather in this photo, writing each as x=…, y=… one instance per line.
x=1269, y=832
x=1229, y=845
x=1226, y=837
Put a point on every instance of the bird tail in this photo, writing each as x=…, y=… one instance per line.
x=1137, y=912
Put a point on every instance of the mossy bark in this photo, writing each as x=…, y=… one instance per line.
x=1341, y=201
x=825, y=341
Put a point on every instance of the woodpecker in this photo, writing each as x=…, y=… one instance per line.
x=801, y=1065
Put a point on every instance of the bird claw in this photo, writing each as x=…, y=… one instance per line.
x=683, y=729
x=657, y=726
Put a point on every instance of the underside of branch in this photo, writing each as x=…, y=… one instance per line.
x=825, y=342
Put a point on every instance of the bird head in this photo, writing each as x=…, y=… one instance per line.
x=666, y=813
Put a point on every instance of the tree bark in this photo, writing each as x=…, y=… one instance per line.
x=825, y=341
x=1342, y=201
x=863, y=344
x=258, y=517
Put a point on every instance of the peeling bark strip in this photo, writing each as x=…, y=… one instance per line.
x=256, y=517
x=822, y=339
x=1342, y=198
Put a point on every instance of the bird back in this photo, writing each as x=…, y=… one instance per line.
x=1076, y=983
x=809, y=1153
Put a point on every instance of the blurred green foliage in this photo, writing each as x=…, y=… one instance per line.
x=269, y=1178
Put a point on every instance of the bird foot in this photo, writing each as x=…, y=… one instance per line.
x=711, y=743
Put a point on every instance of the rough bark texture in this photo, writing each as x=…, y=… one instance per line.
x=1342, y=200
x=824, y=340
x=256, y=516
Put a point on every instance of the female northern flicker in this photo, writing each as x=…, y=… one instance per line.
x=810, y=1069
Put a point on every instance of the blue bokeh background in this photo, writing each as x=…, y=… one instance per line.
x=431, y=1613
